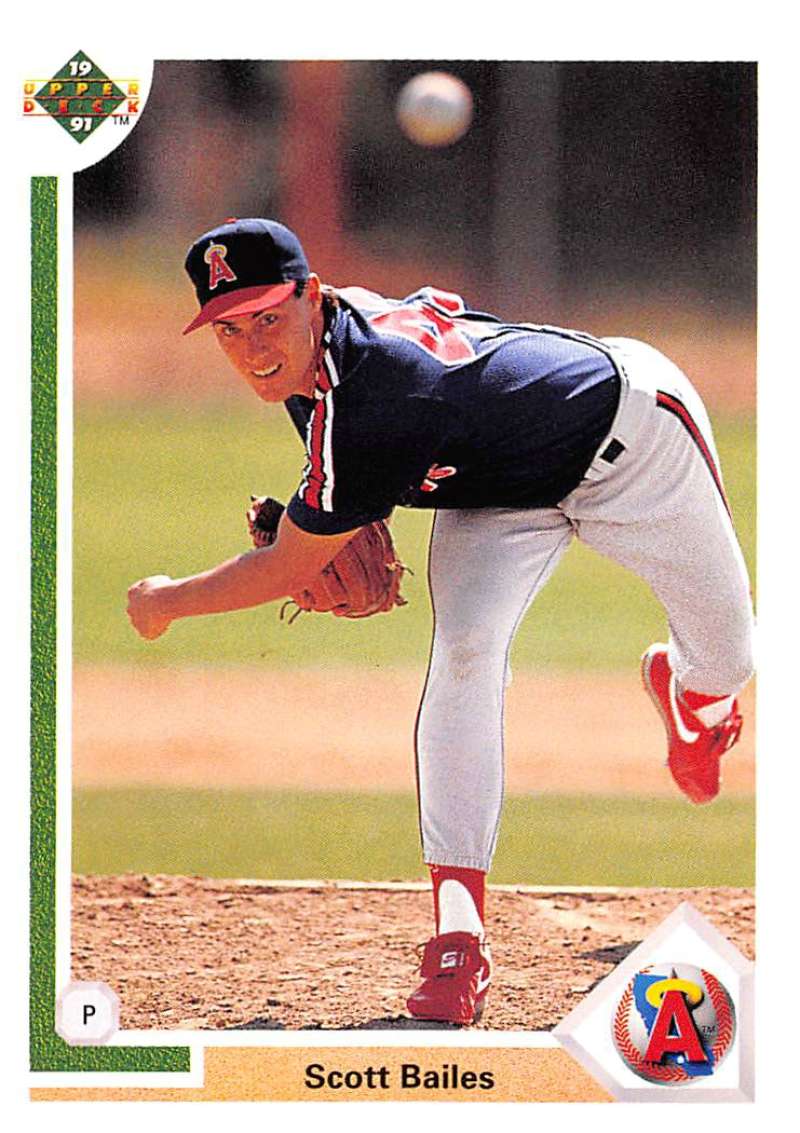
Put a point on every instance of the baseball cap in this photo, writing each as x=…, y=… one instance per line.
x=243, y=266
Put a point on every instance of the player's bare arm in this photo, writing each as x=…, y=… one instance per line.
x=251, y=579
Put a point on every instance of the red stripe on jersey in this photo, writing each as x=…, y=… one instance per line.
x=316, y=473
x=670, y=403
x=316, y=477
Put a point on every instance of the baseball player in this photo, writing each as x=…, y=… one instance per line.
x=521, y=437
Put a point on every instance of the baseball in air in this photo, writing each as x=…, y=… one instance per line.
x=434, y=108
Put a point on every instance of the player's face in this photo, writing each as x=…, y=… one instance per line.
x=275, y=351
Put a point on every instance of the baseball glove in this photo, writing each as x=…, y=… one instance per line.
x=362, y=579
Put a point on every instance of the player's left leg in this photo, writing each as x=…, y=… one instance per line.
x=661, y=511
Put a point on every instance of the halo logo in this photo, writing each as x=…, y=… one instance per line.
x=674, y=1023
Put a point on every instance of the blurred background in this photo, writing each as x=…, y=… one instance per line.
x=618, y=198
x=581, y=189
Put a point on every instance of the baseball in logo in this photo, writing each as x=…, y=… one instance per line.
x=675, y=1023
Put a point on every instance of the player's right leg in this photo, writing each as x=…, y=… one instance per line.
x=486, y=567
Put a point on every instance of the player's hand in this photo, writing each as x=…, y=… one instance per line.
x=146, y=606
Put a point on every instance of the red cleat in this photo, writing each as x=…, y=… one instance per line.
x=456, y=972
x=694, y=749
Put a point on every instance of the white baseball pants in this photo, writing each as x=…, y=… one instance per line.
x=658, y=509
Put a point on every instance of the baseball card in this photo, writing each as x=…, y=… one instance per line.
x=393, y=604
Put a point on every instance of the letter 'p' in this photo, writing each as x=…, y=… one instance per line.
x=87, y=1013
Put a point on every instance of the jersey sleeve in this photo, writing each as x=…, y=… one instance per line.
x=360, y=463
x=317, y=522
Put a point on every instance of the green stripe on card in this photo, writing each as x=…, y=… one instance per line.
x=48, y=1052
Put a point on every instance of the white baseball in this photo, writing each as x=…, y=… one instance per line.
x=434, y=108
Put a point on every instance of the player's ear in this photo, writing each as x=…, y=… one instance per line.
x=314, y=290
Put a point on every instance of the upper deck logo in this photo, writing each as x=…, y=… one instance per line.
x=674, y=1023
x=80, y=97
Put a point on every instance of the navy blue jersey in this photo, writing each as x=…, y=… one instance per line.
x=422, y=402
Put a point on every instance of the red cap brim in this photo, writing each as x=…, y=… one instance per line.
x=245, y=301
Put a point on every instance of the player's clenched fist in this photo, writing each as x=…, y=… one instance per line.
x=146, y=606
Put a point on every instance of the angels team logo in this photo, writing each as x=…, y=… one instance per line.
x=218, y=267
x=674, y=1023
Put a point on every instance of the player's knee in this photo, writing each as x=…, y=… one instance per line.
x=471, y=655
x=464, y=660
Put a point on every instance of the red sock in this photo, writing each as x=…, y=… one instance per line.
x=695, y=700
x=473, y=880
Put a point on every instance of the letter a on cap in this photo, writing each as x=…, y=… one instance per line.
x=218, y=268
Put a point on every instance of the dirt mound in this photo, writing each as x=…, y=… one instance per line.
x=191, y=953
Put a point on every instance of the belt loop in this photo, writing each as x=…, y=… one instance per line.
x=612, y=451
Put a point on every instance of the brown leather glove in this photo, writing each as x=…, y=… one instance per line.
x=363, y=579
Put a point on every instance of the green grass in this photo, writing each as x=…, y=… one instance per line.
x=544, y=840
x=163, y=490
